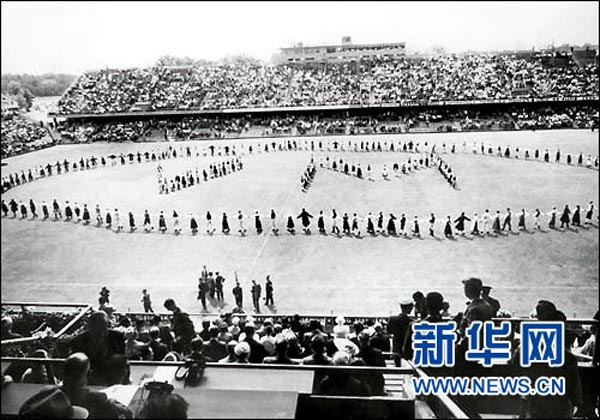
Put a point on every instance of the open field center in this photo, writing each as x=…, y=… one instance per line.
x=312, y=274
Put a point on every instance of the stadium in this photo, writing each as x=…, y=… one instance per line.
x=420, y=174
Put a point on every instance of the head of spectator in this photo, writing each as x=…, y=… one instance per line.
x=197, y=345
x=51, y=403
x=170, y=305
x=358, y=328
x=545, y=311
x=485, y=291
x=7, y=324
x=341, y=358
x=317, y=345
x=166, y=406
x=242, y=352
x=435, y=305
x=472, y=288
x=98, y=324
x=75, y=371
x=406, y=306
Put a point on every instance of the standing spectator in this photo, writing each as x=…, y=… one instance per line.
x=379, y=340
x=182, y=326
x=238, y=294
x=477, y=308
x=105, y=293
x=104, y=347
x=398, y=326
x=419, y=304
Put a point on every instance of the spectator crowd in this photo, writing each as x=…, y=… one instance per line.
x=484, y=77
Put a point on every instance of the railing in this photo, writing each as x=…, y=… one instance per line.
x=341, y=107
x=85, y=309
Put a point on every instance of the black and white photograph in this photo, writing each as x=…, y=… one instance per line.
x=300, y=210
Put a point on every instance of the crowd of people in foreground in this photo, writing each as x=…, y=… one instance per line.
x=100, y=351
x=391, y=80
x=357, y=226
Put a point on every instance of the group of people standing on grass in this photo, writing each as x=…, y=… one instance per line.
x=189, y=178
x=485, y=223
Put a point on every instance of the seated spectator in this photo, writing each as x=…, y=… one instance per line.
x=357, y=329
x=318, y=356
x=51, y=403
x=230, y=358
x=165, y=406
x=159, y=350
x=204, y=334
x=75, y=386
x=380, y=340
x=281, y=357
x=214, y=350
x=257, y=351
x=267, y=340
x=134, y=349
x=340, y=330
x=100, y=344
x=342, y=383
x=242, y=352
x=371, y=356
x=7, y=333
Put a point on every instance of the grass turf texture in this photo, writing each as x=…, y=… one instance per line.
x=59, y=261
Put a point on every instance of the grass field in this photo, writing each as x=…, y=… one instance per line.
x=59, y=261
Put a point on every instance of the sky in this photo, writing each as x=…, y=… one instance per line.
x=72, y=37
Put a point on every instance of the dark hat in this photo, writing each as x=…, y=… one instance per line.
x=486, y=287
x=51, y=402
x=473, y=282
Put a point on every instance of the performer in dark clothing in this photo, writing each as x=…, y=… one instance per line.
x=86, y=214
x=162, y=224
x=131, y=222
x=460, y=223
x=576, y=220
x=258, y=223
x=44, y=210
x=23, y=211
x=193, y=224
x=448, y=228
x=565, y=217
x=321, y=223
x=225, y=224
x=33, y=209
x=305, y=217
x=290, y=225
x=507, y=220
x=431, y=224
x=68, y=212
x=521, y=222
x=370, y=226
x=391, y=226
x=147, y=225
x=345, y=224
x=202, y=290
